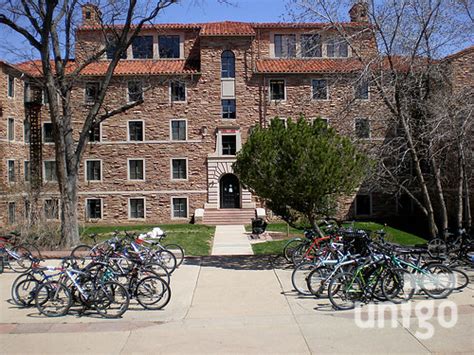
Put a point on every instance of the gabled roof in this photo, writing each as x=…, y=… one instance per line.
x=227, y=28
x=459, y=54
x=125, y=67
x=297, y=66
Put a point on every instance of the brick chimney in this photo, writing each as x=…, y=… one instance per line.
x=91, y=15
x=359, y=12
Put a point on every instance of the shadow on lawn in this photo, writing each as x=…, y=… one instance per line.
x=241, y=262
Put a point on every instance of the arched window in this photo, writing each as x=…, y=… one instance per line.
x=228, y=64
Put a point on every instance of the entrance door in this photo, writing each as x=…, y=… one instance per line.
x=230, y=191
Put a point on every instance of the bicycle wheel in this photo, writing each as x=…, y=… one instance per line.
x=461, y=280
x=82, y=254
x=317, y=280
x=53, y=299
x=437, y=247
x=177, y=251
x=298, y=255
x=111, y=300
x=2, y=264
x=344, y=291
x=299, y=275
x=167, y=259
x=153, y=293
x=290, y=247
x=398, y=286
x=25, y=292
x=159, y=270
x=20, y=278
x=20, y=259
x=437, y=281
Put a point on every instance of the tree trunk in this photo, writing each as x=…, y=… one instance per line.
x=467, y=202
x=460, y=195
x=69, y=220
x=441, y=199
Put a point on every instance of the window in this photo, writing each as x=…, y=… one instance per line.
x=51, y=208
x=26, y=167
x=11, y=129
x=135, y=169
x=285, y=46
x=227, y=64
x=228, y=109
x=135, y=91
x=112, y=48
x=362, y=128
x=137, y=208
x=26, y=131
x=93, y=170
x=11, y=171
x=50, y=171
x=178, y=130
x=361, y=90
x=178, y=91
x=179, y=169
x=180, y=207
x=142, y=47
x=11, y=86
x=168, y=46
x=48, y=132
x=11, y=212
x=337, y=48
x=92, y=92
x=363, y=205
x=229, y=145
x=94, y=133
x=324, y=121
x=135, y=131
x=94, y=208
x=27, y=209
x=311, y=46
x=320, y=89
x=277, y=89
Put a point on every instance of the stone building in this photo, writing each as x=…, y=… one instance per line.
x=205, y=86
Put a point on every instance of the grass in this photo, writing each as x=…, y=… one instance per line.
x=276, y=247
x=194, y=238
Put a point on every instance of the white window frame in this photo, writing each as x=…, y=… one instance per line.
x=370, y=128
x=85, y=91
x=24, y=171
x=44, y=171
x=11, y=139
x=8, y=85
x=172, y=208
x=101, y=171
x=328, y=96
x=128, y=131
x=8, y=212
x=185, y=93
x=171, y=129
x=24, y=132
x=322, y=118
x=270, y=91
x=43, y=133
x=368, y=93
x=130, y=208
x=171, y=168
x=8, y=171
x=128, y=169
x=181, y=45
x=237, y=147
x=44, y=210
x=127, y=91
x=100, y=136
x=101, y=209
x=371, y=212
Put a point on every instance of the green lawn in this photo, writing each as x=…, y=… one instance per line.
x=196, y=239
x=275, y=247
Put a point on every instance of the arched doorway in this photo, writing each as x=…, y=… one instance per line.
x=229, y=191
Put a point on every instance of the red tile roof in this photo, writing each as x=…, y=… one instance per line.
x=459, y=54
x=157, y=26
x=124, y=67
x=308, y=25
x=296, y=66
x=227, y=28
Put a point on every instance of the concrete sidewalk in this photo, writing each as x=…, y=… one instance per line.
x=231, y=240
x=224, y=304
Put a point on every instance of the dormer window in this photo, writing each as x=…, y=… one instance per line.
x=88, y=15
x=112, y=48
x=311, y=46
x=285, y=46
x=168, y=46
x=142, y=47
x=337, y=48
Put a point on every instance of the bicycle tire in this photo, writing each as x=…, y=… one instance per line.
x=298, y=254
x=166, y=258
x=177, y=251
x=344, y=287
x=153, y=293
x=317, y=280
x=25, y=292
x=299, y=276
x=398, y=286
x=2, y=264
x=47, y=296
x=428, y=282
x=21, y=261
x=289, y=248
x=110, y=294
x=18, y=279
x=461, y=279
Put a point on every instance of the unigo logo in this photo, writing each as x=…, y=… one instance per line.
x=421, y=316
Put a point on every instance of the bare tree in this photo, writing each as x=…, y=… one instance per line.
x=48, y=26
x=431, y=120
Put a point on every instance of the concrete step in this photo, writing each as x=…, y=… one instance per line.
x=228, y=216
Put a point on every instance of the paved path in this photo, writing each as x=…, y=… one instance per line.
x=231, y=240
x=229, y=305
